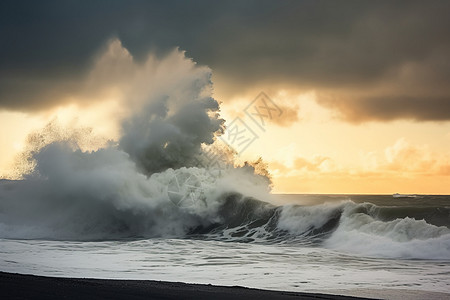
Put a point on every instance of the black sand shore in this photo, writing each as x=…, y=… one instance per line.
x=17, y=286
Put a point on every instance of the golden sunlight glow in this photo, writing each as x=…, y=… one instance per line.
x=318, y=153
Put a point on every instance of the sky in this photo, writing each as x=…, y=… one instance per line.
x=340, y=96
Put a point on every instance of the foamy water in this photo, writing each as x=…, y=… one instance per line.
x=223, y=263
x=379, y=258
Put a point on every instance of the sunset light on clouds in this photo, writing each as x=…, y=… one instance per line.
x=363, y=88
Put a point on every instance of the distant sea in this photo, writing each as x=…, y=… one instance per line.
x=369, y=245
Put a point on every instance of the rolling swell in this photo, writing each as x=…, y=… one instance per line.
x=245, y=219
x=246, y=214
x=439, y=216
x=28, y=211
x=361, y=228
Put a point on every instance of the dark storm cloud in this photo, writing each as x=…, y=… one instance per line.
x=396, y=50
x=387, y=108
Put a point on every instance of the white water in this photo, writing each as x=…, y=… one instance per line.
x=275, y=267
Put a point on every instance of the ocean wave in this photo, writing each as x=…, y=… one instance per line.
x=408, y=238
x=345, y=226
x=156, y=180
x=143, y=208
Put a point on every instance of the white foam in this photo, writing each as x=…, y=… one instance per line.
x=101, y=194
x=401, y=238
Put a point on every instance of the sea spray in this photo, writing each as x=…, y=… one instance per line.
x=122, y=188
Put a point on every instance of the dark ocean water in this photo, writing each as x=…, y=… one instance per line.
x=435, y=209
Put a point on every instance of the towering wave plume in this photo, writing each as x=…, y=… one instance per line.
x=167, y=129
x=129, y=188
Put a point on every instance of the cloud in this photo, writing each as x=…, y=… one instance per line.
x=413, y=90
x=302, y=166
x=404, y=157
x=400, y=160
x=388, y=108
x=373, y=57
x=314, y=165
x=288, y=116
x=402, y=167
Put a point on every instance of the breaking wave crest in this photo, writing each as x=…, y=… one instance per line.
x=133, y=206
x=346, y=226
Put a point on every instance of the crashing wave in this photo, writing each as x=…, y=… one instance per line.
x=155, y=182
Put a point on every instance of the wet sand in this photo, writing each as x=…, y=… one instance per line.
x=18, y=286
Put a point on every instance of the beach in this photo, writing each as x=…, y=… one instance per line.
x=18, y=286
